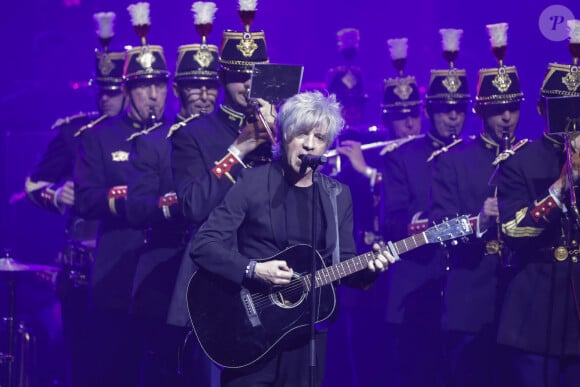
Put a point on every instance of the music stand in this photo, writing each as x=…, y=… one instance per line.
x=563, y=114
x=275, y=83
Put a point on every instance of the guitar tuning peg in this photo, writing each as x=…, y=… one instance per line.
x=442, y=244
x=454, y=242
x=445, y=219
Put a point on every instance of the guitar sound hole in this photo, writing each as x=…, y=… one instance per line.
x=289, y=296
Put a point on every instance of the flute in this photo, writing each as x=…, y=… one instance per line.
x=388, y=144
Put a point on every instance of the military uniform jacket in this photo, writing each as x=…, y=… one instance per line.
x=152, y=206
x=202, y=167
x=460, y=186
x=56, y=167
x=540, y=308
x=365, y=210
x=414, y=283
x=100, y=191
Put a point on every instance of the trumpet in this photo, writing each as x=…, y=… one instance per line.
x=388, y=145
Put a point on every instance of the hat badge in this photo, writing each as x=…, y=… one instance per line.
x=572, y=79
x=502, y=81
x=146, y=59
x=452, y=82
x=403, y=89
x=203, y=57
x=349, y=80
x=106, y=65
x=247, y=46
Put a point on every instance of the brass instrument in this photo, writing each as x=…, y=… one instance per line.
x=152, y=118
x=498, y=246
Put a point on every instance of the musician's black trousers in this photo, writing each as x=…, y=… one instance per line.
x=288, y=366
x=533, y=370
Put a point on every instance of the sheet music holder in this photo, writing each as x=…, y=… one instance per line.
x=563, y=114
x=275, y=83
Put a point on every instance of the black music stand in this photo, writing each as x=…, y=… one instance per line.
x=275, y=83
x=563, y=114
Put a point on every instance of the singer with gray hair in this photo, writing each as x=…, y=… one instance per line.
x=269, y=213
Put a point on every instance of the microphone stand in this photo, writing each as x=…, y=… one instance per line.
x=313, y=288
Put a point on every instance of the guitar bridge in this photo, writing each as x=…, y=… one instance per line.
x=250, y=307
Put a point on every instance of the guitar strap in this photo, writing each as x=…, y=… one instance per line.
x=332, y=188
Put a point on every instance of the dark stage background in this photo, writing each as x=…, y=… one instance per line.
x=47, y=59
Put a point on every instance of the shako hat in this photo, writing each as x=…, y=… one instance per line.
x=448, y=86
x=199, y=61
x=400, y=93
x=145, y=61
x=109, y=65
x=240, y=50
x=499, y=85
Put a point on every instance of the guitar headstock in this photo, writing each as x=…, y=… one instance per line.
x=448, y=230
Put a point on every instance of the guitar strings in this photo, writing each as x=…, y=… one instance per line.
x=262, y=299
x=295, y=287
x=291, y=290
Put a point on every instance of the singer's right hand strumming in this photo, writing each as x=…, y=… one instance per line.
x=254, y=133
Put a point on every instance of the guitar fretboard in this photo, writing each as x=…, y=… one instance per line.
x=360, y=262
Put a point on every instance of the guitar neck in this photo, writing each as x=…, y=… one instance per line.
x=360, y=262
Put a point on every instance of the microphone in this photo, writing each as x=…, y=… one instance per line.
x=312, y=161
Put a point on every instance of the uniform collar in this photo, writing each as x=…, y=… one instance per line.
x=137, y=125
x=556, y=141
x=437, y=141
x=232, y=116
x=180, y=117
x=489, y=142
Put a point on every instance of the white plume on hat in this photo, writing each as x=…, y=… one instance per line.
x=450, y=38
x=574, y=30
x=203, y=12
x=497, y=34
x=105, y=22
x=139, y=14
x=348, y=38
x=248, y=5
x=398, y=48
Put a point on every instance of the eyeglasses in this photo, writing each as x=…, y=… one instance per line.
x=198, y=91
